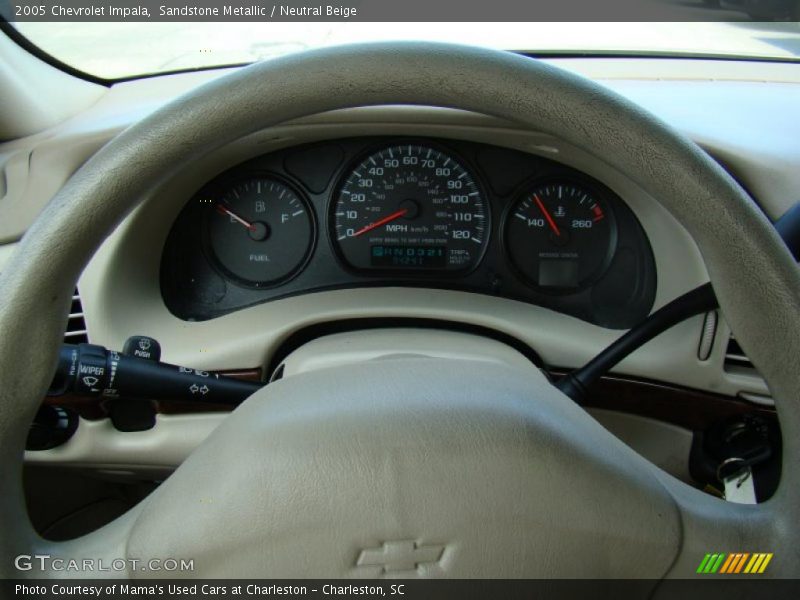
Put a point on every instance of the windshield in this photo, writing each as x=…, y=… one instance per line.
x=121, y=50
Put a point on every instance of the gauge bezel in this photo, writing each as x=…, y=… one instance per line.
x=218, y=187
x=421, y=273
x=598, y=190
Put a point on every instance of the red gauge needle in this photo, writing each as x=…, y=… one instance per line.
x=383, y=221
x=546, y=214
x=224, y=210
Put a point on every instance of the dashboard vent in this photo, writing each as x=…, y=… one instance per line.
x=735, y=358
x=76, y=326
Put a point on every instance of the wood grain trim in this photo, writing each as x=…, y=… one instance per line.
x=685, y=407
x=692, y=409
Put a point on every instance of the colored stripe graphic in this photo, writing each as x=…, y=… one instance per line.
x=703, y=563
x=730, y=566
x=735, y=563
x=727, y=564
x=755, y=563
x=708, y=562
x=740, y=564
x=717, y=563
x=711, y=563
x=764, y=564
x=756, y=559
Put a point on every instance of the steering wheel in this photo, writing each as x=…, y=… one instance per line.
x=464, y=468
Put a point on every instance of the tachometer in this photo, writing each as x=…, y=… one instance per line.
x=260, y=231
x=561, y=235
x=410, y=207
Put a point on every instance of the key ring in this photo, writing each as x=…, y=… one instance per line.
x=725, y=463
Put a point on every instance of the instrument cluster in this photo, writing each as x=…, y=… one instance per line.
x=412, y=212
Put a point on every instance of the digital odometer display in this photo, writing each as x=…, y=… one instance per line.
x=410, y=207
x=409, y=256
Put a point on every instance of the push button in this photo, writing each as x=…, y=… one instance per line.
x=142, y=346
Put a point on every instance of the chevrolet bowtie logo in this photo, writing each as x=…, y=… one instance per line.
x=402, y=555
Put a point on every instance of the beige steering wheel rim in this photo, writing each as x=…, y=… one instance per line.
x=755, y=278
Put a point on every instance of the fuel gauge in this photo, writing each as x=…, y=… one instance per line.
x=259, y=231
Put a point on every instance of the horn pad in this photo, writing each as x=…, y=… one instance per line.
x=412, y=467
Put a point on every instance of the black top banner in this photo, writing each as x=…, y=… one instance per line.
x=366, y=10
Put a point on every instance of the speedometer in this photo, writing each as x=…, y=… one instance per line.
x=410, y=207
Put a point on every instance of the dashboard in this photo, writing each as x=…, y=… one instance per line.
x=409, y=211
x=157, y=274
